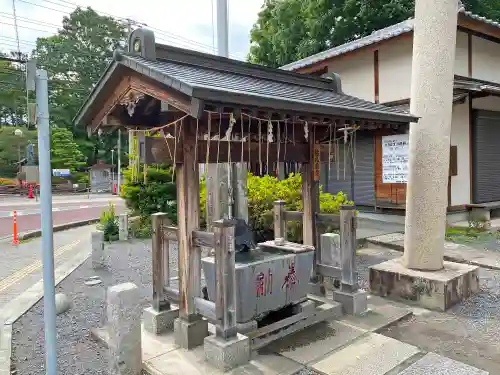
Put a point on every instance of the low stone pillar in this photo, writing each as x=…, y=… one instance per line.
x=124, y=328
x=354, y=300
x=330, y=254
x=123, y=227
x=98, y=258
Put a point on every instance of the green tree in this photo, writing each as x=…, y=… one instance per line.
x=288, y=30
x=13, y=147
x=75, y=59
x=64, y=151
x=12, y=93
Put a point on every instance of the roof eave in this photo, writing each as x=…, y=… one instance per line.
x=210, y=94
x=84, y=109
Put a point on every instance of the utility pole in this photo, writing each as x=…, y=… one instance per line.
x=118, y=177
x=112, y=166
x=49, y=302
x=226, y=182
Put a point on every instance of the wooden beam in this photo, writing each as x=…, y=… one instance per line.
x=479, y=28
x=152, y=88
x=376, y=76
x=160, y=150
x=112, y=101
x=469, y=54
x=188, y=202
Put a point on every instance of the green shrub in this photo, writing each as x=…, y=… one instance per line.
x=159, y=194
x=141, y=228
x=109, y=223
x=263, y=191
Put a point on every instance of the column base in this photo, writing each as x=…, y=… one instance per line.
x=227, y=354
x=353, y=303
x=189, y=335
x=159, y=321
x=434, y=290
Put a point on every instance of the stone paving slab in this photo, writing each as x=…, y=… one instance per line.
x=315, y=342
x=180, y=361
x=381, y=314
x=435, y=364
x=453, y=252
x=373, y=354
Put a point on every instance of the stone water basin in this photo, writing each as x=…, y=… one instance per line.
x=267, y=278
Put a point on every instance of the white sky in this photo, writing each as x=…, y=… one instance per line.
x=183, y=23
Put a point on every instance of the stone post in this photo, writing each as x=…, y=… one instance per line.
x=98, y=259
x=434, y=43
x=123, y=227
x=353, y=299
x=124, y=328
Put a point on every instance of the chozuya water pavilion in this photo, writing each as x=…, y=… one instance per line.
x=208, y=109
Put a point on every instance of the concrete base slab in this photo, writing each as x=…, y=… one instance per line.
x=435, y=364
x=352, y=303
x=227, y=354
x=373, y=354
x=159, y=321
x=189, y=335
x=434, y=290
x=315, y=342
x=381, y=313
x=193, y=362
x=152, y=345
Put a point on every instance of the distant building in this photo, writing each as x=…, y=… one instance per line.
x=378, y=68
x=101, y=177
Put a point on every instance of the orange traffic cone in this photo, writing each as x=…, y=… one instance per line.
x=30, y=192
x=15, y=240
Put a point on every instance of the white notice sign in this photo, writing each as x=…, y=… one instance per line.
x=395, y=149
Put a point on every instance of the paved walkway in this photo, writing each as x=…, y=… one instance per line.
x=348, y=346
x=21, y=265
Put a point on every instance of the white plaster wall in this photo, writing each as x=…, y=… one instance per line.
x=395, y=69
x=357, y=74
x=489, y=103
x=485, y=60
x=462, y=55
x=460, y=184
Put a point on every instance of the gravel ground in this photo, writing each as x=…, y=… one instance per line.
x=467, y=332
x=77, y=352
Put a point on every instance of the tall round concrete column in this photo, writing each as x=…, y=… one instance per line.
x=434, y=43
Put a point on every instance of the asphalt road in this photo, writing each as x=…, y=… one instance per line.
x=63, y=211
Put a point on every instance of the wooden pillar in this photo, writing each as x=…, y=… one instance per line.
x=225, y=285
x=188, y=203
x=160, y=254
x=310, y=202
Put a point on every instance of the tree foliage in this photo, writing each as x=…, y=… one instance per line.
x=64, y=152
x=12, y=93
x=288, y=30
x=11, y=147
x=75, y=59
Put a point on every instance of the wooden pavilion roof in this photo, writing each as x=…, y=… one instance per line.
x=194, y=82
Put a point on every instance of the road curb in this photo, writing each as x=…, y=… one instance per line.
x=56, y=228
x=25, y=301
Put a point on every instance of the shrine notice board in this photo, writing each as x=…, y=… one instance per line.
x=395, y=150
